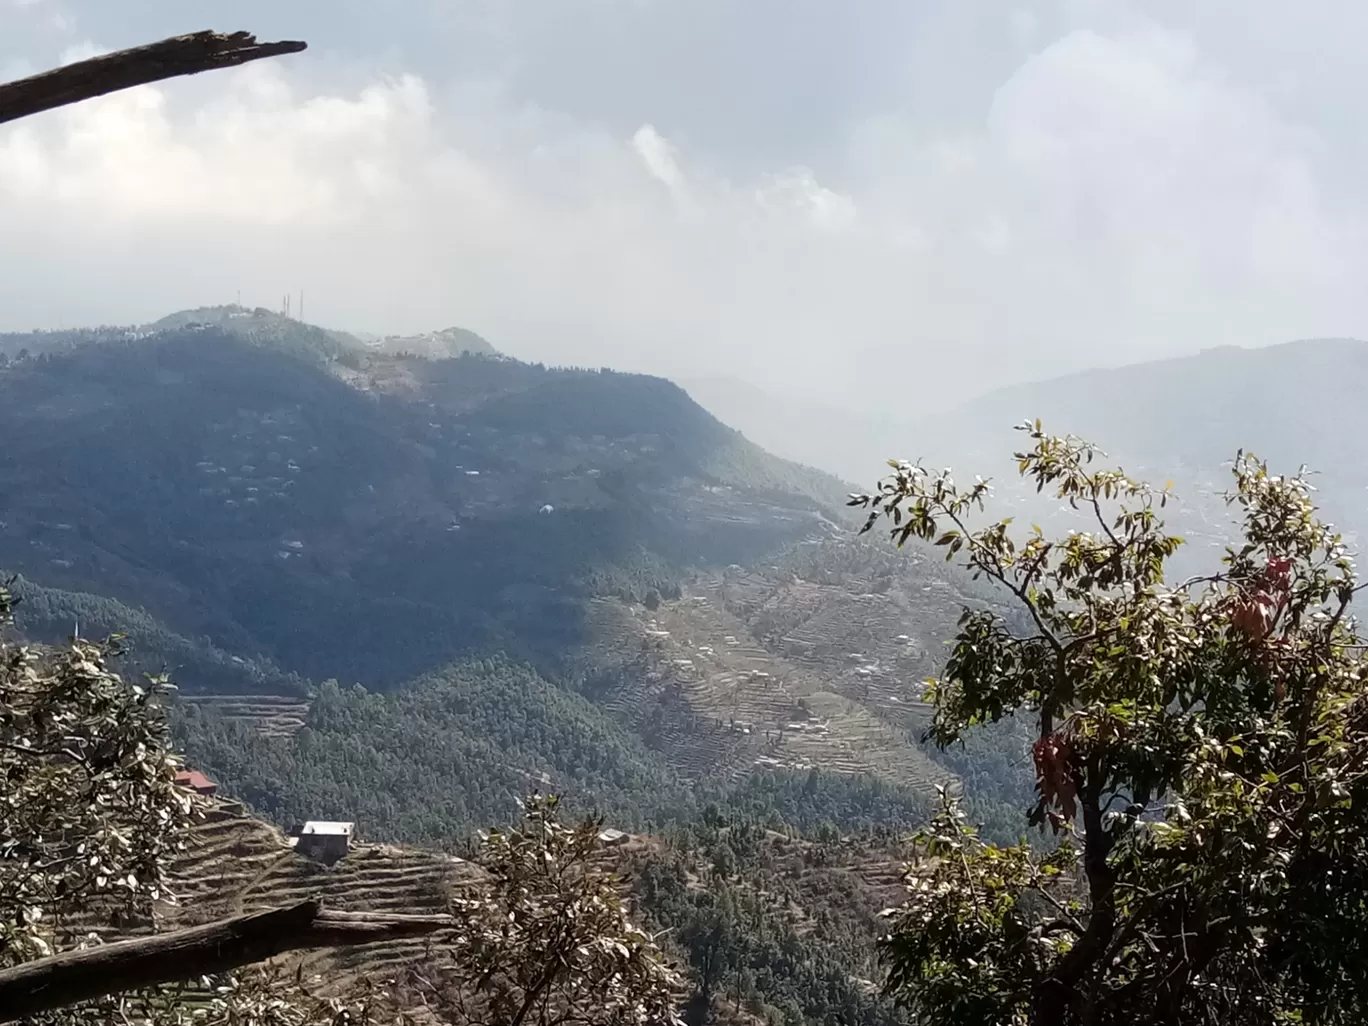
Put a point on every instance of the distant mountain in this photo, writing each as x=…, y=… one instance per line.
x=1184, y=420
x=1299, y=401
x=1181, y=419
x=344, y=512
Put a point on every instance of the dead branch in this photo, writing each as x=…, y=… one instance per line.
x=179, y=55
x=60, y=980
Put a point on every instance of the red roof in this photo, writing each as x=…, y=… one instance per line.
x=195, y=780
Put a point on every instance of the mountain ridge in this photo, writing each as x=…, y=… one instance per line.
x=1181, y=418
x=191, y=469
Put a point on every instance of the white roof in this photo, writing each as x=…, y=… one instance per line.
x=322, y=826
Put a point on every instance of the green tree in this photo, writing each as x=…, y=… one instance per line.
x=1201, y=750
x=89, y=808
x=551, y=942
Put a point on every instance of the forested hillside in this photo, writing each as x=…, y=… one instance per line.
x=372, y=516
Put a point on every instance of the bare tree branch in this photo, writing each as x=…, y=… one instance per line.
x=170, y=58
x=48, y=983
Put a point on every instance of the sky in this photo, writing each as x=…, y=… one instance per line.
x=891, y=202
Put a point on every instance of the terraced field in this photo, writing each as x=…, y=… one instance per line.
x=269, y=715
x=873, y=623
x=234, y=864
x=703, y=690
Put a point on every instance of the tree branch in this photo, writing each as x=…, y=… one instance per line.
x=1068, y=918
x=61, y=980
x=170, y=58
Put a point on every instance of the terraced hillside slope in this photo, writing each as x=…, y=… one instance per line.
x=873, y=622
x=870, y=621
x=697, y=686
x=234, y=864
x=816, y=658
x=267, y=715
x=341, y=512
x=814, y=903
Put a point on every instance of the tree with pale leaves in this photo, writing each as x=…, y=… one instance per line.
x=1201, y=754
x=89, y=808
x=551, y=941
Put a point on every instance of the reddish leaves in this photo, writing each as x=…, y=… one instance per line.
x=1056, y=777
x=1255, y=611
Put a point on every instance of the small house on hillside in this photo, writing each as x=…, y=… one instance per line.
x=197, y=782
x=611, y=838
x=324, y=840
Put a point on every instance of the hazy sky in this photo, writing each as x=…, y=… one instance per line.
x=832, y=198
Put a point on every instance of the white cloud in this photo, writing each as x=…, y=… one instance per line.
x=658, y=156
x=1118, y=197
x=797, y=192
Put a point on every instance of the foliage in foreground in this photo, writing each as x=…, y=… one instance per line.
x=1201, y=750
x=89, y=809
x=91, y=817
x=551, y=942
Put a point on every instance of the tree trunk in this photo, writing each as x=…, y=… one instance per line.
x=179, y=55
x=1059, y=995
x=60, y=980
